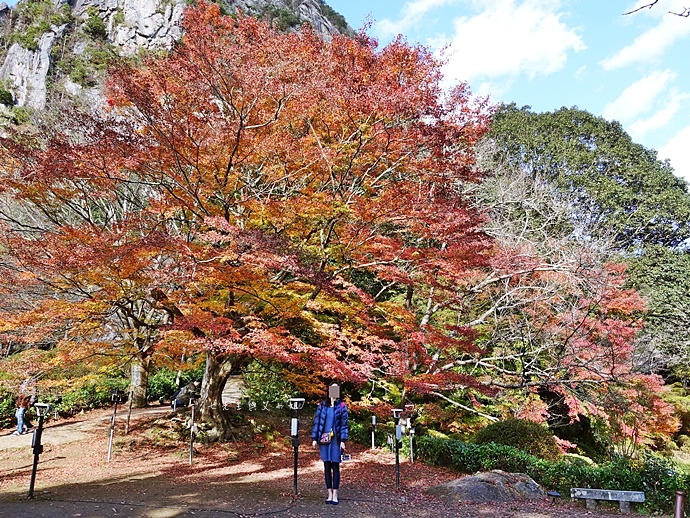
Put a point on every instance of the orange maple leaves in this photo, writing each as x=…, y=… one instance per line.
x=273, y=195
x=250, y=172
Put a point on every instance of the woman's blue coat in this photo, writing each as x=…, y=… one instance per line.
x=340, y=422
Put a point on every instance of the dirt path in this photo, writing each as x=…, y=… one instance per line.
x=231, y=480
x=78, y=428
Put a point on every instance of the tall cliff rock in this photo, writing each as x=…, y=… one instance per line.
x=53, y=48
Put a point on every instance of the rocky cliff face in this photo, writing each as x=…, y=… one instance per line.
x=57, y=48
x=26, y=70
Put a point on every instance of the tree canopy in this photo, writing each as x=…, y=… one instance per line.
x=617, y=188
x=254, y=194
x=317, y=204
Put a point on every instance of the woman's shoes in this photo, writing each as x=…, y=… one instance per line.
x=335, y=502
x=329, y=501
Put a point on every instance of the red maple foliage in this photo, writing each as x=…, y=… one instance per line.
x=257, y=194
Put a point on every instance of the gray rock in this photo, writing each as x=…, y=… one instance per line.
x=308, y=10
x=130, y=25
x=494, y=486
x=26, y=70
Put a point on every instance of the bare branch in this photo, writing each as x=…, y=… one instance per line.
x=684, y=14
x=646, y=6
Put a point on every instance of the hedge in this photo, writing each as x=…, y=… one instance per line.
x=657, y=477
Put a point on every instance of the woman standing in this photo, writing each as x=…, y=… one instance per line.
x=329, y=433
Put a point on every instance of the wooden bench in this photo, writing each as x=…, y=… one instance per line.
x=592, y=495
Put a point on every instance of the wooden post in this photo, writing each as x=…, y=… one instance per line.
x=679, y=509
x=129, y=412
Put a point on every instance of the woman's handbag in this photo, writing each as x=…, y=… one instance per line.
x=326, y=437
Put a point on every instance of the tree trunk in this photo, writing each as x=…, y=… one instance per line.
x=139, y=381
x=211, y=404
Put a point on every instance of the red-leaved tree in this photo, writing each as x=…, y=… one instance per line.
x=256, y=194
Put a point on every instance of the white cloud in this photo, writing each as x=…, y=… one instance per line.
x=661, y=118
x=651, y=44
x=651, y=94
x=678, y=151
x=508, y=38
x=412, y=12
x=638, y=97
x=580, y=73
x=491, y=89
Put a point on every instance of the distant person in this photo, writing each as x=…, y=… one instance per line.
x=181, y=397
x=329, y=433
x=28, y=387
x=23, y=404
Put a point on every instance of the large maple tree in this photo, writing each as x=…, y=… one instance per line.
x=255, y=194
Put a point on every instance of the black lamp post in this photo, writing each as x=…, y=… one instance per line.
x=397, y=412
x=42, y=410
x=296, y=404
x=115, y=397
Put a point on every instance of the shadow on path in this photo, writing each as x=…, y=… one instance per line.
x=74, y=480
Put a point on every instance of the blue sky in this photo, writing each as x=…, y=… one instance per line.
x=553, y=53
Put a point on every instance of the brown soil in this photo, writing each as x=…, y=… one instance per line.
x=245, y=479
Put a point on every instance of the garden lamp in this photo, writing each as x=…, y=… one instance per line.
x=296, y=404
x=42, y=410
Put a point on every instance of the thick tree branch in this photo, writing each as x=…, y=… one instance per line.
x=469, y=409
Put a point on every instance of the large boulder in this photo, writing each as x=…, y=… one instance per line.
x=494, y=486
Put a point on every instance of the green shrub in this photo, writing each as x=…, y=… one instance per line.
x=6, y=97
x=86, y=68
x=21, y=115
x=118, y=18
x=91, y=392
x=470, y=458
x=283, y=18
x=94, y=25
x=677, y=396
x=79, y=72
x=656, y=476
x=360, y=431
x=161, y=383
x=661, y=479
x=30, y=37
x=337, y=19
x=525, y=435
x=62, y=15
x=37, y=18
x=6, y=408
x=265, y=386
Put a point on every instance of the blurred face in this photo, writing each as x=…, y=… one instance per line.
x=334, y=391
